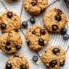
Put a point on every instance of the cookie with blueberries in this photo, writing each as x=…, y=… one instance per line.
x=54, y=57
x=9, y=21
x=17, y=62
x=54, y=20
x=37, y=38
x=10, y=42
x=35, y=7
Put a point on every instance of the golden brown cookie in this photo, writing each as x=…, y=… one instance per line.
x=37, y=37
x=17, y=62
x=54, y=57
x=54, y=20
x=35, y=7
x=10, y=42
x=9, y=21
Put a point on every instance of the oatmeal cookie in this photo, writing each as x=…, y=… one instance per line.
x=54, y=57
x=17, y=62
x=35, y=7
x=37, y=37
x=55, y=20
x=9, y=21
x=10, y=42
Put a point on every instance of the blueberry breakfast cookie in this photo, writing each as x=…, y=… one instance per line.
x=10, y=42
x=54, y=20
x=9, y=21
x=54, y=57
x=35, y=7
x=37, y=37
x=17, y=62
x=11, y=0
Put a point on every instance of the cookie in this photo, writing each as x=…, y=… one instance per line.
x=35, y=7
x=37, y=37
x=10, y=42
x=9, y=21
x=17, y=62
x=11, y=0
x=54, y=57
x=54, y=20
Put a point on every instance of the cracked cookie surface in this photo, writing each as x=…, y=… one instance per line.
x=54, y=20
x=10, y=42
x=17, y=62
x=35, y=7
x=54, y=57
x=9, y=21
x=37, y=37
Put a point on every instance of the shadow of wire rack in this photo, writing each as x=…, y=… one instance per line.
x=67, y=3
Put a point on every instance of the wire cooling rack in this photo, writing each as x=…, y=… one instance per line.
x=55, y=39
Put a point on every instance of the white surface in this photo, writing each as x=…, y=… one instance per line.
x=55, y=39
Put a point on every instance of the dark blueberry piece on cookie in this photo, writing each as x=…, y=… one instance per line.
x=53, y=63
x=9, y=14
x=59, y=12
x=33, y=32
x=54, y=27
x=66, y=37
x=7, y=48
x=3, y=26
x=34, y=2
x=62, y=63
x=18, y=47
x=63, y=31
x=32, y=20
x=35, y=58
x=41, y=42
x=42, y=31
x=8, y=43
x=42, y=10
x=58, y=18
x=24, y=24
x=56, y=50
x=23, y=67
x=8, y=66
